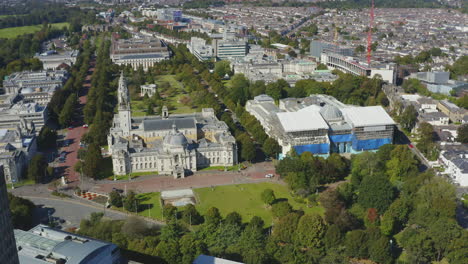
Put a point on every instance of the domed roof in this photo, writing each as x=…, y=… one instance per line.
x=27, y=90
x=175, y=138
x=330, y=112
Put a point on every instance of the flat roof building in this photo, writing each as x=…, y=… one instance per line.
x=44, y=245
x=321, y=124
x=138, y=52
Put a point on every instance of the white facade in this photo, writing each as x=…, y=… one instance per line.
x=456, y=166
x=168, y=144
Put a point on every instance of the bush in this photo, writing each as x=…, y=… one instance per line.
x=281, y=209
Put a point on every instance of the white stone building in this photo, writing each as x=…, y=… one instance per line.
x=168, y=144
x=17, y=146
x=149, y=89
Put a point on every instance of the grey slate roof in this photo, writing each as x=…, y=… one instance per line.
x=166, y=124
x=141, y=56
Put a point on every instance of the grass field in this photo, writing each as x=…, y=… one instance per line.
x=242, y=198
x=21, y=183
x=13, y=32
x=150, y=205
x=245, y=199
x=139, y=107
x=133, y=175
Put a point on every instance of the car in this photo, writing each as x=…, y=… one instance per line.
x=70, y=127
x=85, y=126
x=410, y=146
x=117, y=190
x=269, y=175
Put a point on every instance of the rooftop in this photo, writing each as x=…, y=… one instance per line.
x=301, y=121
x=367, y=116
x=42, y=244
x=203, y=259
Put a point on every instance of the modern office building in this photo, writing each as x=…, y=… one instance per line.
x=353, y=66
x=230, y=48
x=143, y=52
x=45, y=245
x=8, y=253
x=200, y=49
x=169, y=144
x=317, y=47
x=322, y=125
x=439, y=82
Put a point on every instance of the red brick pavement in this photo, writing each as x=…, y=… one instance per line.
x=75, y=135
x=253, y=174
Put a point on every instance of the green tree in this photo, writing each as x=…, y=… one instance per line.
x=462, y=133
x=402, y=164
x=286, y=227
x=130, y=202
x=271, y=147
x=191, y=247
x=281, y=209
x=169, y=212
x=115, y=199
x=37, y=169
x=247, y=149
x=47, y=138
x=333, y=237
x=356, y=244
x=380, y=251
x=310, y=232
x=168, y=251
x=21, y=212
x=93, y=161
x=68, y=112
x=408, y=118
x=268, y=196
x=233, y=218
x=191, y=216
x=376, y=192
x=212, y=216
x=222, y=68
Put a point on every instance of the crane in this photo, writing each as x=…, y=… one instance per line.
x=369, y=34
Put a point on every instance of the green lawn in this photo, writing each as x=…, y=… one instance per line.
x=242, y=198
x=22, y=183
x=139, y=108
x=13, y=32
x=150, y=205
x=221, y=168
x=133, y=175
x=245, y=199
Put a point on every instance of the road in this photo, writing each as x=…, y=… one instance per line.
x=69, y=210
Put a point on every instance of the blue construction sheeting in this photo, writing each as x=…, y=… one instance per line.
x=368, y=144
x=341, y=138
x=313, y=148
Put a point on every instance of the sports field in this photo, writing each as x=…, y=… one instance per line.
x=13, y=32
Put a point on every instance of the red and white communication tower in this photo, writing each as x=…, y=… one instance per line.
x=369, y=34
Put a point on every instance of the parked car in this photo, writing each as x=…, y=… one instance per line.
x=269, y=175
x=117, y=190
x=410, y=146
x=85, y=126
x=70, y=127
